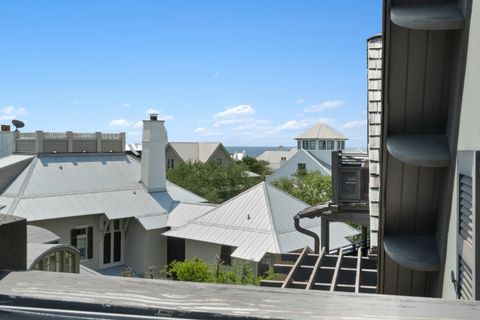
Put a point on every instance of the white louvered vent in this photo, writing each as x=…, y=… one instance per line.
x=466, y=222
x=465, y=230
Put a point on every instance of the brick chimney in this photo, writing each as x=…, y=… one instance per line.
x=154, y=142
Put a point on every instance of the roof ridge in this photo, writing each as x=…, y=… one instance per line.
x=30, y=169
x=228, y=201
x=270, y=217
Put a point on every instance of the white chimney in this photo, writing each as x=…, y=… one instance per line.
x=154, y=141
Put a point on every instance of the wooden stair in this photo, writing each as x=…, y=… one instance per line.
x=328, y=272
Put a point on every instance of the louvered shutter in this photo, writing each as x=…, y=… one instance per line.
x=466, y=240
x=90, y=242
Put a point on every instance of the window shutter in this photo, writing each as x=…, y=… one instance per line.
x=73, y=237
x=90, y=242
x=466, y=239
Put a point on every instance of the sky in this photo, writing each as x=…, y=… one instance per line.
x=245, y=72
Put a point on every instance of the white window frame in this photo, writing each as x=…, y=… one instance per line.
x=110, y=225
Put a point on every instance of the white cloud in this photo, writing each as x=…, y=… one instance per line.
x=325, y=105
x=299, y=101
x=241, y=110
x=206, y=132
x=11, y=112
x=138, y=125
x=226, y=122
x=126, y=105
x=166, y=117
x=293, y=125
x=152, y=110
x=354, y=124
x=119, y=123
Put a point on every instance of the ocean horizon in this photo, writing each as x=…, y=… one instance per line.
x=255, y=151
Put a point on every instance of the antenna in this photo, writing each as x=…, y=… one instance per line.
x=18, y=124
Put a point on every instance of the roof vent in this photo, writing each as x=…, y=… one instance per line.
x=154, y=116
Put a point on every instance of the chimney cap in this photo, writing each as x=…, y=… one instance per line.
x=154, y=116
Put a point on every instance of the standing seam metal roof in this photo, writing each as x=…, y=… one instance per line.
x=258, y=221
x=58, y=186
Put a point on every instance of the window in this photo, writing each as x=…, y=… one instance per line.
x=340, y=145
x=312, y=144
x=283, y=158
x=219, y=160
x=170, y=163
x=299, y=144
x=265, y=264
x=112, y=242
x=322, y=145
x=82, y=239
x=305, y=144
x=330, y=145
x=225, y=255
x=302, y=166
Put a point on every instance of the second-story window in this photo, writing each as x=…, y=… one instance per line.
x=170, y=163
x=305, y=144
x=301, y=166
x=82, y=239
x=340, y=145
x=330, y=145
x=322, y=145
x=312, y=144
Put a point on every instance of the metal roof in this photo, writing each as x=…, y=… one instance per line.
x=184, y=212
x=40, y=235
x=322, y=131
x=258, y=221
x=11, y=166
x=58, y=186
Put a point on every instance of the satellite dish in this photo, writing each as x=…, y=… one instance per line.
x=18, y=124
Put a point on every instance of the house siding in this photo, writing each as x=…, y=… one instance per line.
x=291, y=166
x=208, y=252
x=171, y=154
x=219, y=153
x=143, y=248
x=62, y=227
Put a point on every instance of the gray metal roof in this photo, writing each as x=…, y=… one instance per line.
x=322, y=131
x=57, y=186
x=184, y=212
x=11, y=166
x=258, y=221
x=40, y=235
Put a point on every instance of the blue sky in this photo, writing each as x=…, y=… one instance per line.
x=240, y=72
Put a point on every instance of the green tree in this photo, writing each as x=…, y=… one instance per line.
x=258, y=166
x=194, y=270
x=309, y=186
x=212, y=181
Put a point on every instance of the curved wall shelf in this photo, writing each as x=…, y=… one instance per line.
x=420, y=150
x=413, y=252
x=432, y=17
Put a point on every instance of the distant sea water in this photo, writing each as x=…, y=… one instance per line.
x=254, y=151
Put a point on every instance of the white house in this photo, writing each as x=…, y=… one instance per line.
x=181, y=152
x=304, y=160
x=276, y=158
x=110, y=206
x=251, y=226
x=321, y=137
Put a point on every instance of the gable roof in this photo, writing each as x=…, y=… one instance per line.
x=58, y=186
x=258, y=221
x=322, y=131
x=197, y=151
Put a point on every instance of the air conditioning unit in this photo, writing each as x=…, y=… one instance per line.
x=350, y=178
